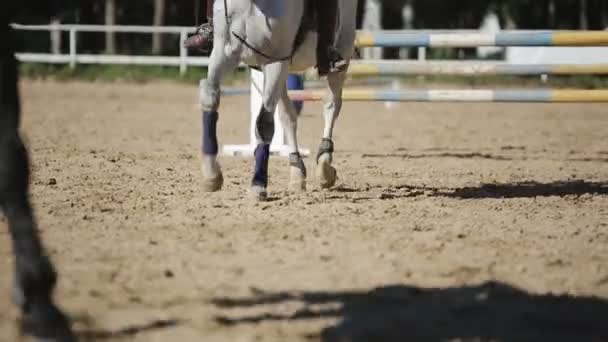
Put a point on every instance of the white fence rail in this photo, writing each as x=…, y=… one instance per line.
x=73, y=58
x=183, y=61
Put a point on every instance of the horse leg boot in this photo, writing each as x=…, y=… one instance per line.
x=275, y=80
x=328, y=57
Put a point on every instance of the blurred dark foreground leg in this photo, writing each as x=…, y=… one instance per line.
x=35, y=277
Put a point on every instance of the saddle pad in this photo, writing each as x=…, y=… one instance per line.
x=271, y=8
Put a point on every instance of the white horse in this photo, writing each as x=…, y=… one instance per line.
x=277, y=37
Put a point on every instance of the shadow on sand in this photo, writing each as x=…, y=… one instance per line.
x=488, y=312
x=88, y=333
x=515, y=190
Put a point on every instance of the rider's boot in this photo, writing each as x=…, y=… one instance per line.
x=203, y=38
x=328, y=57
x=336, y=62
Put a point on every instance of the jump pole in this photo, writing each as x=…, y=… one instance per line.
x=468, y=95
x=501, y=39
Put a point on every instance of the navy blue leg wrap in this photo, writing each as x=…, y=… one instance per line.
x=210, y=145
x=262, y=154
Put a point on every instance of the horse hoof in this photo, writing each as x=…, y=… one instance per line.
x=46, y=323
x=213, y=184
x=297, y=180
x=297, y=186
x=326, y=174
x=258, y=193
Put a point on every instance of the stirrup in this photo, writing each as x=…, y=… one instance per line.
x=337, y=65
x=205, y=29
x=336, y=62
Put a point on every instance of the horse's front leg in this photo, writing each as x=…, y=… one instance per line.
x=289, y=121
x=275, y=79
x=326, y=173
x=210, y=93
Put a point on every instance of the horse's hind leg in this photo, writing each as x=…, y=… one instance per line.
x=326, y=173
x=275, y=82
x=210, y=94
x=289, y=121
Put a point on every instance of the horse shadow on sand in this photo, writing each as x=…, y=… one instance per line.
x=87, y=331
x=525, y=189
x=505, y=153
x=480, y=155
x=491, y=311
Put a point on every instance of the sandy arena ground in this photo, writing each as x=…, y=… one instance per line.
x=449, y=222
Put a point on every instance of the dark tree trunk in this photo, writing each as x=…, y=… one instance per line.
x=110, y=14
x=159, y=19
